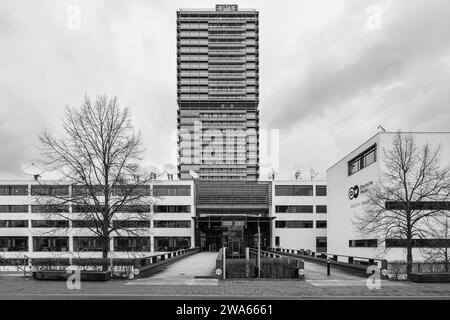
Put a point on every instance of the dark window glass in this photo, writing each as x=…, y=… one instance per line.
x=418, y=243
x=78, y=190
x=87, y=244
x=122, y=224
x=171, y=224
x=277, y=241
x=162, y=190
x=86, y=209
x=363, y=243
x=362, y=160
x=13, y=244
x=134, y=209
x=13, y=223
x=321, y=209
x=321, y=244
x=13, y=190
x=172, y=243
x=49, y=208
x=294, y=209
x=125, y=244
x=419, y=205
x=50, y=244
x=172, y=209
x=49, y=190
x=131, y=190
x=295, y=224
x=14, y=208
x=293, y=190
x=321, y=191
x=50, y=223
x=321, y=224
x=92, y=224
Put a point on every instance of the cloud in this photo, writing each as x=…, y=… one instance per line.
x=326, y=81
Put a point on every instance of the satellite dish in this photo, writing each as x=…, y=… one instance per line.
x=298, y=175
x=171, y=170
x=272, y=174
x=34, y=167
x=193, y=174
x=313, y=174
x=154, y=172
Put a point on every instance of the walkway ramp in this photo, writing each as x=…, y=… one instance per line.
x=197, y=269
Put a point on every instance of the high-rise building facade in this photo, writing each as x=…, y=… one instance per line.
x=217, y=80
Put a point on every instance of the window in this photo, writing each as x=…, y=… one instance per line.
x=363, y=243
x=172, y=243
x=126, y=244
x=50, y=244
x=418, y=243
x=87, y=209
x=172, y=209
x=363, y=160
x=13, y=223
x=282, y=190
x=171, y=224
x=13, y=208
x=161, y=190
x=321, y=191
x=92, y=224
x=321, y=209
x=294, y=209
x=321, y=244
x=131, y=190
x=50, y=223
x=277, y=241
x=49, y=190
x=78, y=190
x=12, y=190
x=49, y=209
x=87, y=244
x=13, y=244
x=134, y=209
x=123, y=224
x=296, y=224
x=321, y=224
x=419, y=205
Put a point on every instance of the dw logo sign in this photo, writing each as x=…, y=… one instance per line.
x=353, y=193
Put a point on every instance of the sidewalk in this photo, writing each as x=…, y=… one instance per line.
x=20, y=288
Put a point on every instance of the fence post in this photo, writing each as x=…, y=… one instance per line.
x=224, y=262
x=328, y=267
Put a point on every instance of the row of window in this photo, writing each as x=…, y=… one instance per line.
x=39, y=190
x=121, y=244
x=362, y=160
x=400, y=243
x=86, y=209
x=119, y=224
x=301, y=209
x=300, y=224
x=302, y=190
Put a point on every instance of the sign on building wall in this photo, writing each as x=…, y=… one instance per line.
x=226, y=7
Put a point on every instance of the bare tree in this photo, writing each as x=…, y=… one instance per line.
x=98, y=155
x=441, y=232
x=400, y=204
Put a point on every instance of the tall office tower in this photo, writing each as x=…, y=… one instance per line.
x=217, y=79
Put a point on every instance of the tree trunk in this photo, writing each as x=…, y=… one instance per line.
x=409, y=258
x=105, y=253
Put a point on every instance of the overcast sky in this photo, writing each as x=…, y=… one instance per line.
x=330, y=71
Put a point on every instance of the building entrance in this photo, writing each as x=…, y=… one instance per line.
x=235, y=233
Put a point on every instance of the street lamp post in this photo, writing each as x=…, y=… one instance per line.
x=259, y=249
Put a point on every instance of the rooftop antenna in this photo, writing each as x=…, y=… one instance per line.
x=193, y=174
x=298, y=174
x=170, y=170
x=34, y=167
x=313, y=174
x=380, y=127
